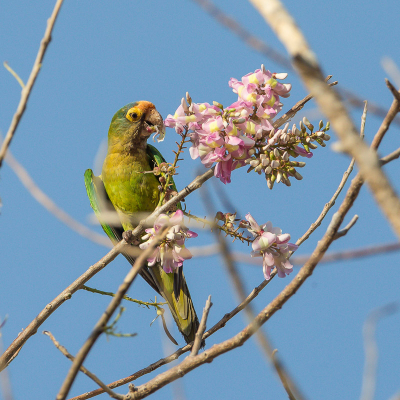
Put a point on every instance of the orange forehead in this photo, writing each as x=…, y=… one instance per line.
x=144, y=105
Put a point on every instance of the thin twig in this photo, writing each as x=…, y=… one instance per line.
x=102, y=322
x=82, y=368
x=297, y=107
x=394, y=91
x=371, y=349
x=50, y=206
x=346, y=229
x=140, y=302
x=202, y=327
x=26, y=91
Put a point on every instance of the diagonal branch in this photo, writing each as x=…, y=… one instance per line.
x=102, y=322
x=26, y=91
x=82, y=368
x=330, y=104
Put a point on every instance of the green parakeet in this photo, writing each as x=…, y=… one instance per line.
x=123, y=188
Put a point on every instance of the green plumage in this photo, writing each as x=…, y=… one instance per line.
x=125, y=188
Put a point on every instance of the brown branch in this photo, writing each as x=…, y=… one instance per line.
x=191, y=363
x=82, y=368
x=345, y=230
x=262, y=338
x=102, y=322
x=297, y=107
x=263, y=48
x=202, y=327
x=329, y=102
x=66, y=294
x=50, y=206
x=351, y=254
x=26, y=91
x=163, y=361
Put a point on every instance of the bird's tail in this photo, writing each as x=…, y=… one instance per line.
x=174, y=289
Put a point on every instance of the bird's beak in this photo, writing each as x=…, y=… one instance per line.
x=154, y=123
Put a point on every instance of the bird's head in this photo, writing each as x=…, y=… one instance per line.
x=133, y=124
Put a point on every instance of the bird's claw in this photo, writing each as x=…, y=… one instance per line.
x=130, y=238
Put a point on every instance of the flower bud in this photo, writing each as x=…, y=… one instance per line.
x=275, y=164
x=326, y=137
x=280, y=75
x=276, y=153
x=312, y=146
x=298, y=176
x=184, y=106
x=219, y=216
x=278, y=176
x=254, y=162
x=285, y=156
x=287, y=182
x=219, y=105
x=268, y=170
x=302, y=127
x=327, y=126
x=258, y=168
x=251, y=152
x=265, y=161
x=270, y=183
x=308, y=124
x=239, y=121
x=188, y=98
x=321, y=124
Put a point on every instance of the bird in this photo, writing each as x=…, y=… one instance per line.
x=127, y=187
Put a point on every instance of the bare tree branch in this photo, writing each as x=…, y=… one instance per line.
x=50, y=206
x=102, y=322
x=328, y=100
x=26, y=91
x=82, y=368
x=262, y=47
x=371, y=349
x=202, y=327
x=345, y=230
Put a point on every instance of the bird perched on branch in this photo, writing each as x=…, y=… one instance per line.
x=124, y=187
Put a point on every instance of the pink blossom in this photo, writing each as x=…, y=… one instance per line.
x=171, y=253
x=303, y=152
x=272, y=246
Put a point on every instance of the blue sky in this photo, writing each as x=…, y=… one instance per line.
x=107, y=55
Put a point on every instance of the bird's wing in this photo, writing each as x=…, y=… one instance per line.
x=101, y=206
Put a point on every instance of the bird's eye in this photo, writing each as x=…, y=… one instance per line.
x=133, y=114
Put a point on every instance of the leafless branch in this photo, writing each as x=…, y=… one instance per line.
x=82, y=368
x=66, y=294
x=102, y=322
x=263, y=48
x=371, y=349
x=26, y=91
x=328, y=100
x=191, y=363
x=163, y=361
x=50, y=206
x=344, y=231
x=202, y=327
x=262, y=339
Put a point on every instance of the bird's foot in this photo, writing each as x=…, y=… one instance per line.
x=130, y=238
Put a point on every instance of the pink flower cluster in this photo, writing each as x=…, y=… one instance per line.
x=172, y=251
x=227, y=136
x=273, y=246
